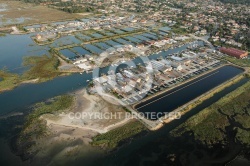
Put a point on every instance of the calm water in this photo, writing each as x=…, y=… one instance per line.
x=128, y=29
x=8, y=21
x=33, y=26
x=80, y=50
x=28, y=94
x=132, y=39
x=65, y=40
x=14, y=48
x=141, y=37
x=150, y=36
x=118, y=31
x=165, y=29
x=25, y=95
x=122, y=41
x=109, y=33
x=181, y=95
x=83, y=37
x=112, y=43
x=140, y=149
x=162, y=33
x=97, y=35
x=93, y=49
x=103, y=46
x=67, y=53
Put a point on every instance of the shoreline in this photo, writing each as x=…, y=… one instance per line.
x=168, y=89
x=195, y=102
x=89, y=104
x=35, y=81
x=76, y=136
x=200, y=99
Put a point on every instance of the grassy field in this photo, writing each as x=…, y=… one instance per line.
x=214, y=124
x=42, y=67
x=112, y=138
x=240, y=62
x=25, y=13
x=8, y=80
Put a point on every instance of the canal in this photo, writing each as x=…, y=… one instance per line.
x=181, y=95
x=150, y=146
x=133, y=152
x=27, y=94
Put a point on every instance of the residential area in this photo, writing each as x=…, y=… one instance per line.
x=134, y=83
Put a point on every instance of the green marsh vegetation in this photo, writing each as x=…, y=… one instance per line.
x=2, y=34
x=228, y=118
x=41, y=67
x=35, y=127
x=240, y=62
x=112, y=138
x=8, y=80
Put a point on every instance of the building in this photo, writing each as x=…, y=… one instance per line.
x=166, y=69
x=157, y=65
x=38, y=37
x=187, y=62
x=234, y=52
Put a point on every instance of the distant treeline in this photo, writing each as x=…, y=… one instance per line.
x=236, y=1
x=40, y=1
x=78, y=9
x=72, y=7
x=69, y=6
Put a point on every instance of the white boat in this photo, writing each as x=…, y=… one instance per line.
x=87, y=81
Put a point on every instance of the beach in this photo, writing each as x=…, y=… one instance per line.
x=72, y=137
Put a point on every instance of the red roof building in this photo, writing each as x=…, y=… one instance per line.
x=234, y=52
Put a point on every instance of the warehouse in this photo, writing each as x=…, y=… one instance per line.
x=234, y=52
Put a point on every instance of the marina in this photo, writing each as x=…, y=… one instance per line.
x=181, y=95
x=57, y=86
x=175, y=73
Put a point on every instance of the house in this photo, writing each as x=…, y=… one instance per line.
x=38, y=37
x=140, y=45
x=179, y=68
x=166, y=69
x=199, y=61
x=127, y=89
x=157, y=65
x=176, y=65
x=80, y=61
x=176, y=58
x=101, y=80
x=187, y=62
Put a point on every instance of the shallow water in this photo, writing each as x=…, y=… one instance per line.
x=14, y=48
x=93, y=49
